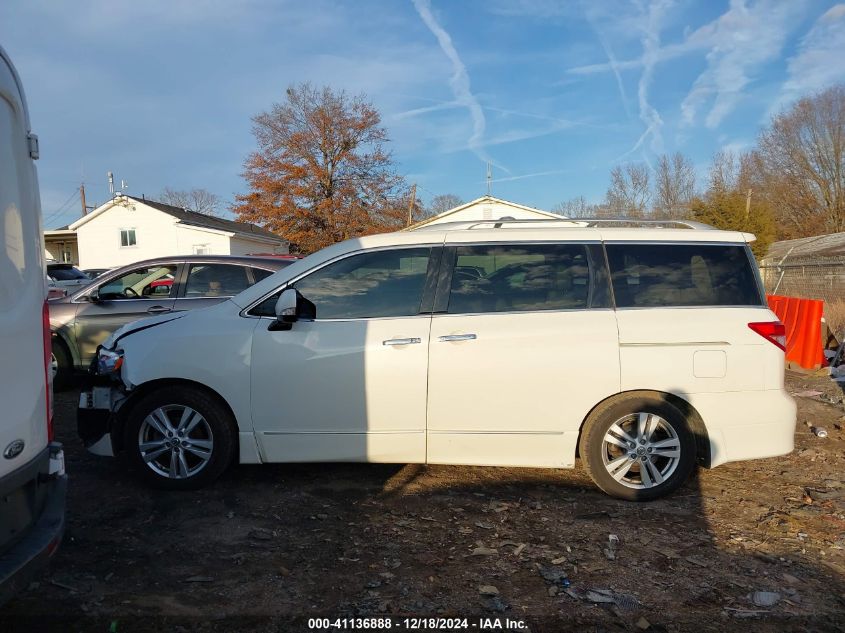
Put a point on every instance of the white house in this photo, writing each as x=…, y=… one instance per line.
x=60, y=245
x=127, y=229
x=488, y=208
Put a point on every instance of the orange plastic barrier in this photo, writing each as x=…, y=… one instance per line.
x=803, y=321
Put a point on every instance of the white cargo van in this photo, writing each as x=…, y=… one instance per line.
x=32, y=479
x=644, y=350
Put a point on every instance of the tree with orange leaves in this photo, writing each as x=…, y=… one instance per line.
x=322, y=173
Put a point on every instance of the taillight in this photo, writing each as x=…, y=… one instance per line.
x=48, y=367
x=773, y=331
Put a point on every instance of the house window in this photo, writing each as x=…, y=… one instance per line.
x=202, y=249
x=127, y=237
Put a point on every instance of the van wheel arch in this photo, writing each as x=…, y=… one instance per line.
x=694, y=419
x=119, y=423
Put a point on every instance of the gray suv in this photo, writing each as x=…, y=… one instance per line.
x=84, y=319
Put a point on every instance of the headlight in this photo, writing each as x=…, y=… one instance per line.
x=109, y=362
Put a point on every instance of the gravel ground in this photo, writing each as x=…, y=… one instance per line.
x=268, y=546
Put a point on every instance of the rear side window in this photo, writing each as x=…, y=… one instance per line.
x=522, y=278
x=216, y=280
x=678, y=275
x=260, y=274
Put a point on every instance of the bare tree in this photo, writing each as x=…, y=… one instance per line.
x=723, y=171
x=802, y=158
x=577, y=207
x=443, y=202
x=674, y=186
x=322, y=171
x=630, y=191
x=199, y=200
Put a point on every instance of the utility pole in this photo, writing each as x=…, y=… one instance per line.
x=748, y=204
x=411, y=203
x=82, y=198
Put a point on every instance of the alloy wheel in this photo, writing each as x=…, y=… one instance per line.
x=641, y=450
x=175, y=441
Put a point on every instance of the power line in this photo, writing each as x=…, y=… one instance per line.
x=63, y=208
x=58, y=213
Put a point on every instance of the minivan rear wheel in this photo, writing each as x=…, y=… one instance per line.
x=179, y=438
x=639, y=447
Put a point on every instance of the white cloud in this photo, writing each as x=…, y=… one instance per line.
x=611, y=56
x=741, y=41
x=552, y=172
x=460, y=79
x=818, y=62
x=651, y=55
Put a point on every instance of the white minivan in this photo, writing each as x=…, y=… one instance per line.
x=32, y=480
x=642, y=349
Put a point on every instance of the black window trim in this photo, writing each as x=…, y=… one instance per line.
x=436, y=253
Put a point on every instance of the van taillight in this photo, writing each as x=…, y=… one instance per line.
x=48, y=367
x=773, y=331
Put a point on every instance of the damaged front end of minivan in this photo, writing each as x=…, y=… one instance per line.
x=105, y=389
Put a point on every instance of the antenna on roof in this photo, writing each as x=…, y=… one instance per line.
x=111, y=183
x=489, y=178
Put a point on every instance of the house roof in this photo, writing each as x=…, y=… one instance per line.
x=207, y=221
x=807, y=249
x=191, y=218
x=482, y=200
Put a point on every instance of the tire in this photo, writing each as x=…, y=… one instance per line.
x=192, y=460
x=62, y=365
x=662, y=462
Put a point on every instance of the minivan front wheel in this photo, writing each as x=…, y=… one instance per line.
x=638, y=448
x=179, y=438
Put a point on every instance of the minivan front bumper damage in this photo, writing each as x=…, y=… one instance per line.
x=96, y=417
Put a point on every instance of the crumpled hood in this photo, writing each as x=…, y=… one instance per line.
x=141, y=324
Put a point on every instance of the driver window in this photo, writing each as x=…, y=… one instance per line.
x=151, y=282
x=385, y=283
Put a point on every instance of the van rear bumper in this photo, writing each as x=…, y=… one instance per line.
x=747, y=424
x=30, y=554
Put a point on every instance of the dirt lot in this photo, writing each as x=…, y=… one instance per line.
x=269, y=544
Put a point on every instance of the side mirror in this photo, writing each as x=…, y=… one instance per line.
x=290, y=307
x=286, y=307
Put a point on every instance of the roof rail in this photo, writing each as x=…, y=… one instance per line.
x=576, y=222
x=689, y=224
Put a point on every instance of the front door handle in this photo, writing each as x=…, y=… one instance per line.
x=158, y=310
x=457, y=337
x=402, y=341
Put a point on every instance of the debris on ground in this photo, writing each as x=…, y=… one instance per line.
x=353, y=540
x=765, y=598
x=612, y=545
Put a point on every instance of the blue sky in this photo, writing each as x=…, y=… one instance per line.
x=554, y=94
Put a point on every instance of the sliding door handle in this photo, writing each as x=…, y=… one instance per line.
x=158, y=310
x=457, y=337
x=402, y=341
